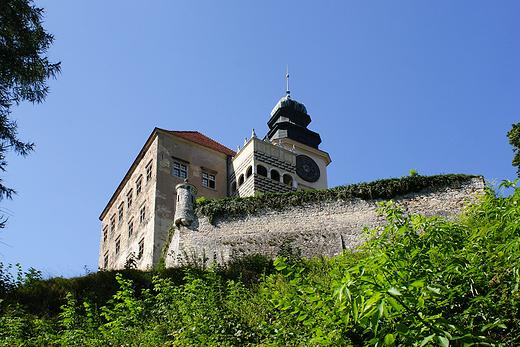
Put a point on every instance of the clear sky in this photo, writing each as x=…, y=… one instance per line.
x=389, y=85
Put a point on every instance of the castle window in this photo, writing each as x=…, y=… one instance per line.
x=142, y=214
x=141, y=249
x=105, y=233
x=261, y=170
x=129, y=198
x=105, y=261
x=287, y=179
x=149, y=171
x=113, y=223
x=275, y=175
x=138, y=184
x=208, y=180
x=249, y=171
x=118, y=244
x=120, y=211
x=180, y=170
x=130, y=228
x=241, y=180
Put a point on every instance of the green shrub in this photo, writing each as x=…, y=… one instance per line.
x=420, y=282
x=380, y=189
x=416, y=282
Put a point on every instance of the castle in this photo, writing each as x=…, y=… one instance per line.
x=136, y=220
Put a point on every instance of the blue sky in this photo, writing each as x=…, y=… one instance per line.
x=390, y=86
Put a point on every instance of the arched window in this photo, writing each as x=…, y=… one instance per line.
x=261, y=170
x=233, y=187
x=249, y=171
x=275, y=175
x=287, y=179
x=241, y=180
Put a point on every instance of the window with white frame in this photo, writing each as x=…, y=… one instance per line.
x=129, y=198
x=208, y=180
x=120, y=211
x=180, y=170
x=113, y=223
x=138, y=185
x=118, y=244
x=130, y=228
x=142, y=215
x=105, y=233
x=105, y=260
x=149, y=171
x=141, y=249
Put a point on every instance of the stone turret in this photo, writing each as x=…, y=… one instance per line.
x=184, y=206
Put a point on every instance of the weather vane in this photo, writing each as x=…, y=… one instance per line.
x=288, y=92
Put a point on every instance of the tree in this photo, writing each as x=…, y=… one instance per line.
x=24, y=71
x=514, y=140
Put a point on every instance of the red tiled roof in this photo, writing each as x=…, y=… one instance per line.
x=201, y=139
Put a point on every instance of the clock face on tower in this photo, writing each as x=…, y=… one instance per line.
x=307, y=168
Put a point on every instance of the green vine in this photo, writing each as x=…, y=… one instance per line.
x=380, y=189
x=171, y=232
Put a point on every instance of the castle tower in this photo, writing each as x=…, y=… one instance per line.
x=288, y=128
x=287, y=159
x=184, y=204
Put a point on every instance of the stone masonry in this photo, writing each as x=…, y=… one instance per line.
x=325, y=228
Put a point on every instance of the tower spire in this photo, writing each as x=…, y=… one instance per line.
x=288, y=92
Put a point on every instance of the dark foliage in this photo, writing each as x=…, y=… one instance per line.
x=514, y=140
x=24, y=71
x=45, y=297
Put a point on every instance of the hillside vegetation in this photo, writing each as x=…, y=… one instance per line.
x=416, y=282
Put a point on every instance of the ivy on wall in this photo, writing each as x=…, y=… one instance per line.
x=380, y=189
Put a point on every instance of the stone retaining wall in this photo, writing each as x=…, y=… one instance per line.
x=326, y=227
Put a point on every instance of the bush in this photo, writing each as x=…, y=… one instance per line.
x=380, y=189
x=416, y=282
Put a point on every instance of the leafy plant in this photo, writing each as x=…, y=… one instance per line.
x=421, y=281
x=380, y=189
x=416, y=282
x=514, y=140
x=201, y=200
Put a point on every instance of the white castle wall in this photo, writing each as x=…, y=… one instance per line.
x=326, y=227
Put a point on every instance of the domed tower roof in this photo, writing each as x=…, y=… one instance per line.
x=289, y=119
x=286, y=101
